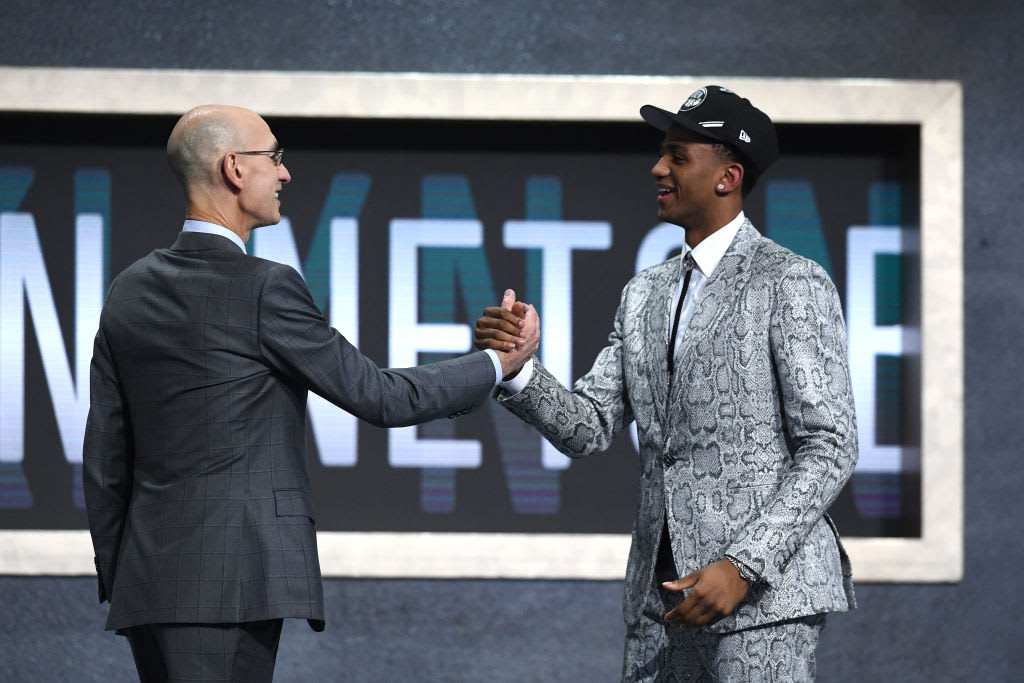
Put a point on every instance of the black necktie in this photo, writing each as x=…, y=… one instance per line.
x=688, y=267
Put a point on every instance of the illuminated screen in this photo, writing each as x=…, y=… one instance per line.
x=404, y=231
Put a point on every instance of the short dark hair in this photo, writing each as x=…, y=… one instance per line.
x=727, y=152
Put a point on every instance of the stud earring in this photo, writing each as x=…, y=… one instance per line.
x=721, y=186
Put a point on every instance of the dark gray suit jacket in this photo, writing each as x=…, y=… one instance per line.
x=195, y=474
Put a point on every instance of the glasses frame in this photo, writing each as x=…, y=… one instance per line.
x=275, y=155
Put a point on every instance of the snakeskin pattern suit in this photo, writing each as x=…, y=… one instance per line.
x=745, y=446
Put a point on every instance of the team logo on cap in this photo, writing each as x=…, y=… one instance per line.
x=694, y=100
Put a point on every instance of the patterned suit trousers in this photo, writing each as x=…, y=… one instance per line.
x=657, y=652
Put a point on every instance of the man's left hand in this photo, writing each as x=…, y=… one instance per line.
x=715, y=592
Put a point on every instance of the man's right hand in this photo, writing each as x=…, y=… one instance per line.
x=512, y=330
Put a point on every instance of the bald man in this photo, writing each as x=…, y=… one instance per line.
x=196, y=485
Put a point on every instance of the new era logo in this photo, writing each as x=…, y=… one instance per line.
x=744, y=136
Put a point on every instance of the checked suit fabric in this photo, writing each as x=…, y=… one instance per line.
x=195, y=474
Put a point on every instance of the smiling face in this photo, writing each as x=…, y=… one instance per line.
x=686, y=176
x=258, y=198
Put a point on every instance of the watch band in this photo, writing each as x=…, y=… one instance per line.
x=744, y=571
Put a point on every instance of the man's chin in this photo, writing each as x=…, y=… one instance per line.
x=268, y=222
x=670, y=220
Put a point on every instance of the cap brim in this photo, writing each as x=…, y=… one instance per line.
x=659, y=118
x=663, y=120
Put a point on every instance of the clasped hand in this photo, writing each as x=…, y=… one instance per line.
x=512, y=330
x=715, y=591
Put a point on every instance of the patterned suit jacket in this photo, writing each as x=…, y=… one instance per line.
x=195, y=475
x=745, y=446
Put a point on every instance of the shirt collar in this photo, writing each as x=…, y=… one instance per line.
x=712, y=248
x=213, y=229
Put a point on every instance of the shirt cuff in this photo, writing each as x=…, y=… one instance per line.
x=519, y=382
x=497, y=367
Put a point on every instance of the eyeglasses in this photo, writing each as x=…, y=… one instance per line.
x=275, y=154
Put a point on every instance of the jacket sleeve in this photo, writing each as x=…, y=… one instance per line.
x=587, y=419
x=808, y=344
x=296, y=340
x=107, y=459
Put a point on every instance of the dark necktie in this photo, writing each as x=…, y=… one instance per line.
x=688, y=267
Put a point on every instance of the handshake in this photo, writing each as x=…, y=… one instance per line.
x=512, y=330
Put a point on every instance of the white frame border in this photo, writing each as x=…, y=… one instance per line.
x=937, y=106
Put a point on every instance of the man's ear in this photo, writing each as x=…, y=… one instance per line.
x=732, y=178
x=231, y=171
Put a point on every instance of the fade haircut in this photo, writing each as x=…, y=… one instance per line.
x=729, y=153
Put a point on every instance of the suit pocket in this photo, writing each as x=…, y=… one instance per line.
x=744, y=503
x=294, y=503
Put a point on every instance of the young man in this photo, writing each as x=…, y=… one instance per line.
x=732, y=360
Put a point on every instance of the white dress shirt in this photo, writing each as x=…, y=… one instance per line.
x=706, y=256
x=214, y=229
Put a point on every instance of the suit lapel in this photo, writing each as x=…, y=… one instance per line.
x=657, y=322
x=727, y=278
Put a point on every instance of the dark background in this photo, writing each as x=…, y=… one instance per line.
x=603, y=171
x=571, y=631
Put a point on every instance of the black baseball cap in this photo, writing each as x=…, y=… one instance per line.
x=721, y=115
